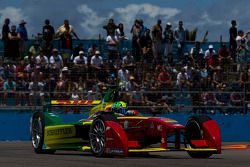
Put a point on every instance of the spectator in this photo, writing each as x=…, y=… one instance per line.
x=196, y=54
x=48, y=36
x=96, y=64
x=136, y=48
x=65, y=33
x=13, y=44
x=24, y=37
x=76, y=51
x=80, y=65
x=56, y=60
x=213, y=64
x=136, y=98
x=209, y=52
x=223, y=99
x=119, y=32
x=123, y=77
x=112, y=43
x=157, y=38
x=20, y=70
x=168, y=39
x=165, y=79
x=5, y=36
x=182, y=80
x=9, y=88
x=236, y=100
x=129, y=61
x=242, y=37
x=36, y=95
x=42, y=61
x=21, y=88
x=110, y=27
x=232, y=39
x=180, y=37
x=81, y=87
x=242, y=53
x=93, y=94
x=91, y=51
x=218, y=79
x=146, y=46
x=245, y=79
x=35, y=48
x=225, y=58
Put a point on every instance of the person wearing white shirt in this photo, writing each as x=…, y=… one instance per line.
x=80, y=59
x=56, y=59
x=42, y=60
x=210, y=52
x=96, y=60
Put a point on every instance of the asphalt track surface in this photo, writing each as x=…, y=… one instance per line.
x=20, y=154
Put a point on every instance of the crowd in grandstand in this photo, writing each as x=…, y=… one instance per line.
x=42, y=70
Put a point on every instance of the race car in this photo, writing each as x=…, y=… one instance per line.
x=113, y=129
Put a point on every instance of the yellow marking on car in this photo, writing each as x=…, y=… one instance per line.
x=65, y=141
x=200, y=149
x=86, y=148
x=88, y=123
x=74, y=102
x=148, y=150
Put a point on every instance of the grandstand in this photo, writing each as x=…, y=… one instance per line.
x=187, y=100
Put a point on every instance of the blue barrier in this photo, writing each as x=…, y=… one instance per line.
x=234, y=128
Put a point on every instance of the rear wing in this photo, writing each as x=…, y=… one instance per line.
x=75, y=102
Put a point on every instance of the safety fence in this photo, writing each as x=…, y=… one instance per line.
x=149, y=102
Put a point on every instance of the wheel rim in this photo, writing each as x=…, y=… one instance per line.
x=36, y=132
x=97, y=136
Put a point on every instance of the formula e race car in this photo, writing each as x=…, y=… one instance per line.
x=112, y=129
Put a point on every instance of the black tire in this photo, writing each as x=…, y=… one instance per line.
x=37, y=133
x=97, y=133
x=194, y=131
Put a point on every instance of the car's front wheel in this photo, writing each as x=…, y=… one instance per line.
x=97, y=137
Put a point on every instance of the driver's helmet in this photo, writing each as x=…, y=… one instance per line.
x=119, y=107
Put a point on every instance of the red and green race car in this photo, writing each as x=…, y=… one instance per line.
x=112, y=129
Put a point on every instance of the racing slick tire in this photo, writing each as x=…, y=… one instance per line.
x=97, y=133
x=194, y=131
x=37, y=125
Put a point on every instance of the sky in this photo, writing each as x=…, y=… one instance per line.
x=89, y=16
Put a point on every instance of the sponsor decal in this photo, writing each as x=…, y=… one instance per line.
x=59, y=132
x=114, y=151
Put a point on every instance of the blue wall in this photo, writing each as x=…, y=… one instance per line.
x=15, y=126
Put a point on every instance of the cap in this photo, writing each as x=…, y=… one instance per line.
x=210, y=47
x=97, y=52
x=22, y=22
x=169, y=24
x=54, y=50
x=81, y=52
x=65, y=69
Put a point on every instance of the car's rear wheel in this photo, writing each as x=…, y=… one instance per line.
x=37, y=133
x=194, y=131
